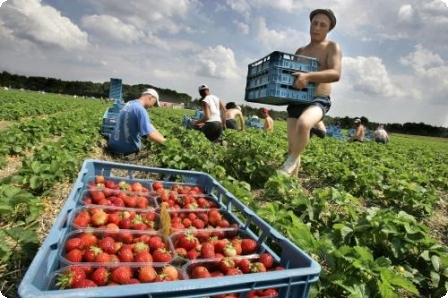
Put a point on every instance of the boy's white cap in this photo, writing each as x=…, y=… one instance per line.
x=154, y=93
x=202, y=87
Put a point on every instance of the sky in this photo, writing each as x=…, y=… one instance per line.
x=394, y=65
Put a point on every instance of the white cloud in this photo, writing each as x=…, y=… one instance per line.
x=41, y=24
x=287, y=40
x=242, y=28
x=421, y=59
x=110, y=28
x=216, y=62
x=369, y=75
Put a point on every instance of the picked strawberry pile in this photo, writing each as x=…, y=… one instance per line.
x=126, y=233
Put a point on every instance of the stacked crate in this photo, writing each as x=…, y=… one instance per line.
x=186, y=122
x=166, y=194
x=269, y=79
x=110, y=117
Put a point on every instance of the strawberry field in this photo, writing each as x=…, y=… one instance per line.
x=373, y=216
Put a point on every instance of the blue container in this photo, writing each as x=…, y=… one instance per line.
x=109, y=119
x=283, y=60
x=270, y=79
x=115, y=89
x=300, y=272
x=253, y=122
x=278, y=94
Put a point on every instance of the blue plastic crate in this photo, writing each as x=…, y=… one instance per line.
x=253, y=122
x=270, y=79
x=283, y=60
x=301, y=271
x=278, y=94
x=110, y=118
x=115, y=89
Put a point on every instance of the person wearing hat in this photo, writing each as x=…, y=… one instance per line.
x=214, y=119
x=360, y=131
x=304, y=117
x=268, y=121
x=133, y=124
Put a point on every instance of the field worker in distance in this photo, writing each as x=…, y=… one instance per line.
x=133, y=124
x=303, y=117
x=380, y=135
x=360, y=131
x=268, y=121
x=214, y=119
x=233, y=112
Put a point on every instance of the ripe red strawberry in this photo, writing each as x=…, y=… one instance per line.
x=130, y=201
x=234, y=271
x=248, y=246
x=198, y=223
x=187, y=241
x=267, y=260
x=125, y=223
x=225, y=264
x=69, y=277
x=244, y=265
x=220, y=244
x=107, y=244
x=84, y=283
x=97, y=196
x=207, y=250
x=157, y=185
x=81, y=221
x=116, y=201
x=193, y=254
x=143, y=257
x=200, y=272
x=121, y=275
x=223, y=223
x=156, y=242
x=73, y=243
x=136, y=187
x=142, y=202
x=101, y=276
x=269, y=293
x=74, y=256
x=110, y=184
x=214, y=217
x=89, y=239
x=147, y=274
x=91, y=253
x=103, y=257
x=161, y=255
x=125, y=254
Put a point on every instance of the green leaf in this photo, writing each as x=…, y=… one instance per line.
x=435, y=260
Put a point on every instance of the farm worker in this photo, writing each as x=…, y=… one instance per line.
x=233, y=112
x=360, y=131
x=303, y=117
x=268, y=121
x=380, y=135
x=214, y=119
x=134, y=123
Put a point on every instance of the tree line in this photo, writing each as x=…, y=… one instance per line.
x=129, y=92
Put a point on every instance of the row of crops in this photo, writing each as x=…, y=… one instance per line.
x=372, y=215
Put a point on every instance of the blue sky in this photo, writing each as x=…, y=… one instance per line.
x=395, y=53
